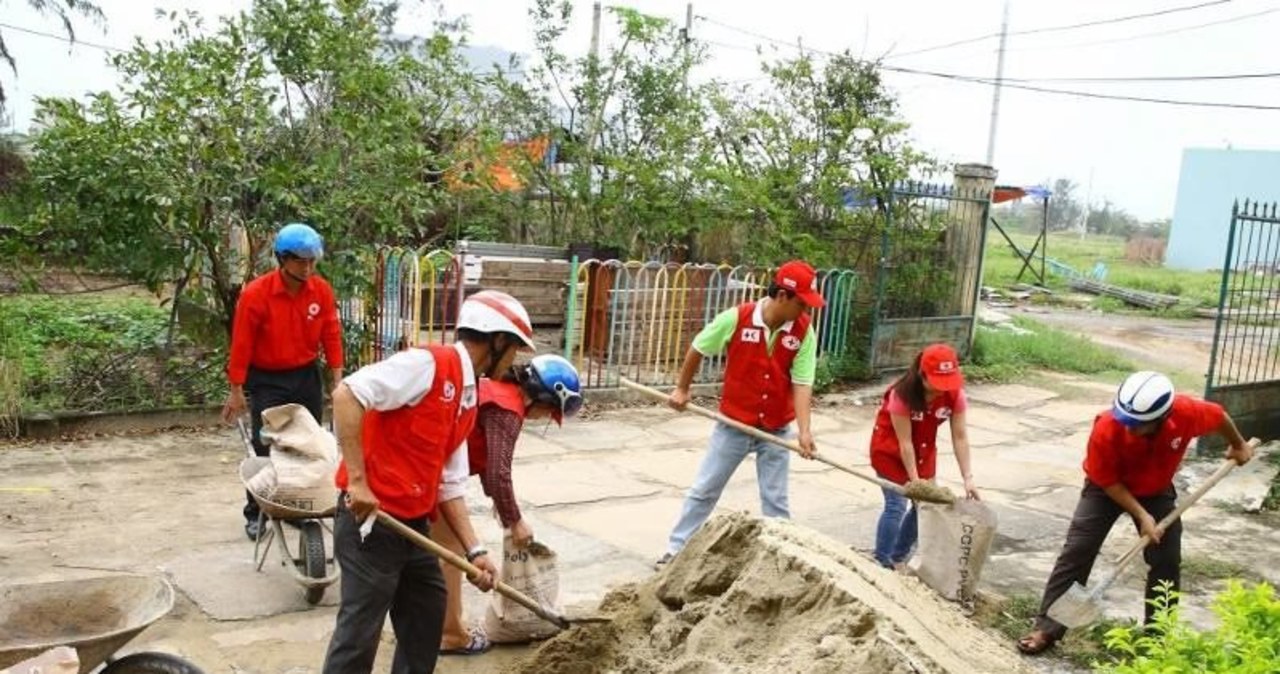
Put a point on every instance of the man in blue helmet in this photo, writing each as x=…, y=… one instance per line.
x=1134, y=451
x=282, y=321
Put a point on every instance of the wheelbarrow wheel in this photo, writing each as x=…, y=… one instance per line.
x=151, y=663
x=311, y=541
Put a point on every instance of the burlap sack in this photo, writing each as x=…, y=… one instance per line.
x=304, y=458
x=533, y=571
x=954, y=543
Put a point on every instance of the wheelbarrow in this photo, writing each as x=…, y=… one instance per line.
x=311, y=567
x=95, y=616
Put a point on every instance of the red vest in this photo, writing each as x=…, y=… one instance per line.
x=886, y=456
x=405, y=449
x=757, y=384
x=504, y=394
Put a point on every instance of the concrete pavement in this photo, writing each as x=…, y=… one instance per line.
x=603, y=492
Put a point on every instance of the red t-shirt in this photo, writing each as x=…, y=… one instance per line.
x=274, y=330
x=1146, y=465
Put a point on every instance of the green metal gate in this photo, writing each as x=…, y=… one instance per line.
x=1244, y=368
x=930, y=272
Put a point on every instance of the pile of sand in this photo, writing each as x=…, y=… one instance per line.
x=752, y=595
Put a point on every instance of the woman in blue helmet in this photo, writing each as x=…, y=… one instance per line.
x=546, y=387
x=283, y=319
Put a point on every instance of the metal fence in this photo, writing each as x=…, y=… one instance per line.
x=1244, y=368
x=927, y=282
x=414, y=299
x=637, y=319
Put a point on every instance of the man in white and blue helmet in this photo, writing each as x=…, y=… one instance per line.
x=1134, y=451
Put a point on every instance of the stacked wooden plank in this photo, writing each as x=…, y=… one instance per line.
x=539, y=284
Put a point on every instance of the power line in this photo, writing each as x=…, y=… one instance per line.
x=1074, y=26
x=1083, y=94
x=62, y=38
x=1159, y=33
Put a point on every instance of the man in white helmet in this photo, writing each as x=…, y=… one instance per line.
x=1134, y=451
x=401, y=424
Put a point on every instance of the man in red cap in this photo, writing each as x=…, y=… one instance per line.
x=771, y=353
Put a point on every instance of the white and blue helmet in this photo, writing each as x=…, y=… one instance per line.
x=299, y=240
x=551, y=380
x=1143, y=397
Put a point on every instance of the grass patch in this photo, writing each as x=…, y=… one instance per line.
x=1012, y=617
x=1205, y=567
x=1272, y=501
x=97, y=353
x=1194, y=288
x=1002, y=355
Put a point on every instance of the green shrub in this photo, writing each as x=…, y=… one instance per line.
x=1247, y=640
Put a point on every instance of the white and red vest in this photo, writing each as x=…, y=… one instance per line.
x=757, y=384
x=886, y=455
x=504, y=394
x=405, y=449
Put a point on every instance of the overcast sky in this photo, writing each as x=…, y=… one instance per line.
x=1129, y=152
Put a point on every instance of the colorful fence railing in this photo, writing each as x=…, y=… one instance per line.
x=414, y=300
x=637, y=319
x=633, y=319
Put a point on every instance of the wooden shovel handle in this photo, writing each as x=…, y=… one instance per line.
x=767, y=437
x=470, y=569
x=1226, y=467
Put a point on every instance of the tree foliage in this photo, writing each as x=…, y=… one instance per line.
x=315, y=110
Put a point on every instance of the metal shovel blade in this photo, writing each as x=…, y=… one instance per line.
x=1077, y=607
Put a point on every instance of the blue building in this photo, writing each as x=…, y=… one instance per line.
x=1210, y=181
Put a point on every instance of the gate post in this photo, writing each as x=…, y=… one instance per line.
x=967, y=240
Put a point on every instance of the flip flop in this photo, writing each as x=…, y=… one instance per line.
x=1035, y=642
x=478, y=644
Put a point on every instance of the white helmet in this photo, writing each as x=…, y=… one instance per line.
x=1143, y=397
x=490, y=311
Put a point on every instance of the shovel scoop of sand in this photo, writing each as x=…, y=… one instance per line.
x=924, y=490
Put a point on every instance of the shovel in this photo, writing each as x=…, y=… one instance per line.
x=1079, y=606
x=472, y=571
x=921, y=493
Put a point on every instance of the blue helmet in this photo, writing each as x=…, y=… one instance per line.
x=299, y=240
x=552, y=380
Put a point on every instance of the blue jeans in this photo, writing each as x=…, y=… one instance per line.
x=896, y=532
x=727, y=449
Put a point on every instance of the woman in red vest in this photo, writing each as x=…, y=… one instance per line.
x=546, y=387
x=904, y=443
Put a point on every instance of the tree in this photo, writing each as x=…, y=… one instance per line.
x=1064, y=209
x=63, y=10
x=301, y=110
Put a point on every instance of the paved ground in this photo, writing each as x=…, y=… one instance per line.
x=603, y=492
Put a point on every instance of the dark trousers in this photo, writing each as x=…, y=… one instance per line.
x=1095, y=513
x=268, y=388
x=385, y=573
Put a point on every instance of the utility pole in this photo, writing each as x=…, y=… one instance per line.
x=995, y=96
x=595, y=31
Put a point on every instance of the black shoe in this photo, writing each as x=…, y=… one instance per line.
x=252, y=530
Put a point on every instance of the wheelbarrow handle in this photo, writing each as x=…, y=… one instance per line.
x=767, y=437
x=1225, y=468
x=470, y=569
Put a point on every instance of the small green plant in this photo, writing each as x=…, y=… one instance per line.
x=1246, y=641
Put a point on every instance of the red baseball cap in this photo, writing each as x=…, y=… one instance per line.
x=798, y=277
x=941, y=367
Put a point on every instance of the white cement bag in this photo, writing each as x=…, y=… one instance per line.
x=954, y=543
x=533, y=571
x=304, y=457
